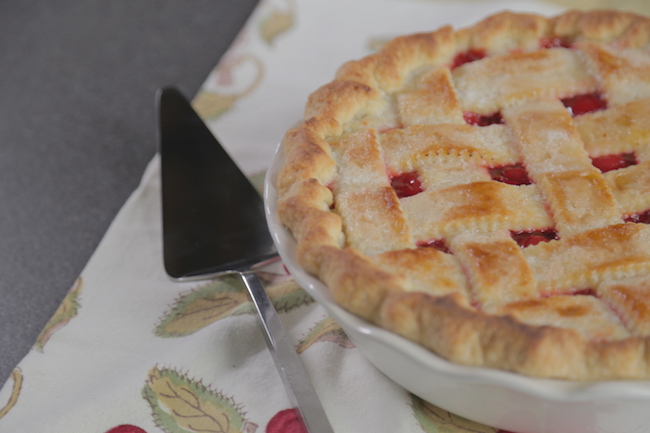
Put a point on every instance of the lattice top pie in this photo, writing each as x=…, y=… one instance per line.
x=486, y=192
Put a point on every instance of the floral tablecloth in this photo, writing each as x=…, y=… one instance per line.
x=130, y=351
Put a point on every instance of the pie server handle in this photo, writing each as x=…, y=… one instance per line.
x=301, y=393
x=214, y=224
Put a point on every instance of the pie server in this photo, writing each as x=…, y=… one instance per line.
x=214, y=224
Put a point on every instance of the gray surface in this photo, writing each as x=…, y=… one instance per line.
x=77, y=128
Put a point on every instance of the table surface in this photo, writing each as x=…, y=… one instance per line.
x=78, y=129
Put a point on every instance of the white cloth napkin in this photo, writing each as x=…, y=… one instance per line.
x=130, y=351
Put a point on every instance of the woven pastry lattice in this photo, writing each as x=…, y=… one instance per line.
x=504, y=169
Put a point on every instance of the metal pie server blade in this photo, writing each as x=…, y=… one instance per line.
x=214, y=224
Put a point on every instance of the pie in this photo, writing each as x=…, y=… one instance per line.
x=485, y=192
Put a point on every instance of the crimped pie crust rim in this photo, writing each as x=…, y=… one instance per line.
x=304, y=209
x=557, y=390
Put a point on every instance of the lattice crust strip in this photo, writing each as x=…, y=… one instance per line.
x=487, y=86
x=486, y=192
x=475, y=207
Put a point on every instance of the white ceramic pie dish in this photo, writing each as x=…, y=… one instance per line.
x=496, y=398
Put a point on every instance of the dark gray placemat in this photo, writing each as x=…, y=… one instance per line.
x=77, y=128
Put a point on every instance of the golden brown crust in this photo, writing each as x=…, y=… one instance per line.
x=573, y=309
x=406, y=53
x=308, y=157
x=504, y=32
x=340, y=100
x=345, y=270
x=601, y=25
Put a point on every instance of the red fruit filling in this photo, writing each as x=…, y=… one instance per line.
x=570, y=292
x=438, y=244
x=587, y=103
x=642, y=217
x=482, y=120
x=526, y=238
x=406, y=184
x=514, y=174
x=554, y=42
x=607, y=163
x=467, y=57
x=584, y=292
x=390, y=128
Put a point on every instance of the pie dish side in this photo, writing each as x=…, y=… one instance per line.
x=485, y=192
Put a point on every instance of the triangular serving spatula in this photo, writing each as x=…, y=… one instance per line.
x=214, y=224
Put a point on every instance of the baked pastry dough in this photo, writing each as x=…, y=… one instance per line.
x=485, y=192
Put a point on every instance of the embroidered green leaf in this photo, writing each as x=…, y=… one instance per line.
x=224, y=297
x=432, y=419
x=325, y=330
x=17, y=377
x=206, y=304
x=277, y=22
x=288, y=295
x=66, y=311
x=181, y=405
